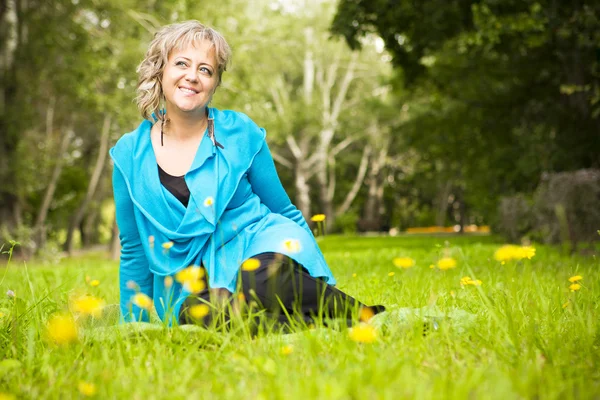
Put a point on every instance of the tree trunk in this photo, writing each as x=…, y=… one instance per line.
x=374, y=204
x=98, y=167
x=40, y=222
x=442, y=202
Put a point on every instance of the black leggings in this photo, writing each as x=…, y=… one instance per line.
x=283, y=290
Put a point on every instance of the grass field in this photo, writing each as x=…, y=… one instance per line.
x=522, y=333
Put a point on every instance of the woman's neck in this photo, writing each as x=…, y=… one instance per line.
x=184, y=126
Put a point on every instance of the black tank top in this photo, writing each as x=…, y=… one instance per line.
x=176, y=185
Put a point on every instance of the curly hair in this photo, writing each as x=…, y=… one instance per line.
x=168, y=38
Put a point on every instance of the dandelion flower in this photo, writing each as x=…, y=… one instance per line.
x=94, y=282
x=510, y=252
x=432, y=266
x=526, y=252
x=167, y=245
x=199, y=311
x=465, y=280
x=61, y=329
x=391, y=273
x=318, y=218
x=88, y=305
x=287, y=350
x=209, y=201
x=354, y=275
x=1, y=315
x=168, y=281
x=365, y=314
x=403, y=262
x=575, y=278
x=250, y=264
x=191, y=273
x=241, y=297
x=575, y=287
x=291, y=245
x=142, y=301
x=87, y=389
x=363, y=333
x=446, y=263
x=194, y=287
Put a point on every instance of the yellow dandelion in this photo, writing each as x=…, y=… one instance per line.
x=363, y=333
x=287, y=350
x=475, y=282
x=250, y=264
x=142, y=301
x=167, y=245
x=465, y=280
x=446, y=263
x=318, y=218
x=209, y=201
x=168, y=282
x=2, y=315
x=88, y=305
x=391, y=273
x=291, y=245
x=87, y=389
x=575, y=278
x=194, y=287
x=199, y=311
x=61, y=329
x=575, y=287
x=354, y=275
x=191, y=273
x=241, y=297
x=403, y=262
x=431, y=266
x=526, y=252
x=365, y=314
x=94, y=282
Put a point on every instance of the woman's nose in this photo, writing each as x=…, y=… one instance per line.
x=191, y=75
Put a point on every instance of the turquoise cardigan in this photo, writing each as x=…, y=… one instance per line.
x=250, y=214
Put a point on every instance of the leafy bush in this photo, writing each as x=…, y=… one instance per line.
x=567, y=206
x=515, y=214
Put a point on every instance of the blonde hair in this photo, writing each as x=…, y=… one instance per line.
x=170, y=37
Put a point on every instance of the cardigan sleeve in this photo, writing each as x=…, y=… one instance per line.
x=267, y=186
x=133, y=264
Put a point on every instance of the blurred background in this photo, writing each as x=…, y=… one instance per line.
x=386, y=116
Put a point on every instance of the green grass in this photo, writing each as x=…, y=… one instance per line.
x=509, y=338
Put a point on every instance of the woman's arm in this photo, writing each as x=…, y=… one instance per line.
x=266, y=184
x=134, y=264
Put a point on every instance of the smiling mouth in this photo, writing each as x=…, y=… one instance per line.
x=187, y=90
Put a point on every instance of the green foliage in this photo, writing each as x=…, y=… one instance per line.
x=521, y=334
x=499, y=91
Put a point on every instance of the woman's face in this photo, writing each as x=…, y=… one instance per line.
x=190, y=78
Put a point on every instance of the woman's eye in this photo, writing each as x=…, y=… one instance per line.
x=206, y=71
x=181, y=63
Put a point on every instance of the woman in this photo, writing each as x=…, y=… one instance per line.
x=196, y=186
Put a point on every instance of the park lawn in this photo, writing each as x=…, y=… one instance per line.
x=521, y=334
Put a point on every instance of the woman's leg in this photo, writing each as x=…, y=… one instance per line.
x=282, y=286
